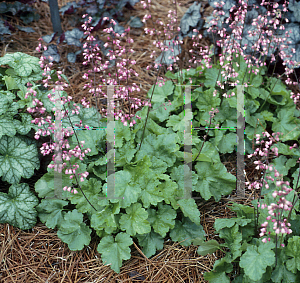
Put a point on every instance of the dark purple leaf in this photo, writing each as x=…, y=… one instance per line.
x=53, y=52
x=92, y=9
x=3, y=8
x=69, y=8
x=101, y=3
x=117, y=28
x=4, y=29
x=133, y=2
x=168, y=53
x=98, y=22
x=295, y=7
x=72, y=56
x=29, y=17
x=61, y=38
x=49, y=38
x=294, y=32
x=135, y=22
x=6, y=23
x=72, y=37
x=190, y=18
x=26, y=29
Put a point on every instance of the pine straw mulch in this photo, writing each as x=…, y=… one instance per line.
x=38, y=255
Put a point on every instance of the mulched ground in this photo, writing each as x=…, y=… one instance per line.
x=38, y=255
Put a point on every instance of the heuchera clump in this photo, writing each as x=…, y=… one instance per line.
x=235, y=68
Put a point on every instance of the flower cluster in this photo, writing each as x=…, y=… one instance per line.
x=265, y=38
x=61, y=142
x=91, y=56
x=275, y=211
x=264, y=154
x=230, y=44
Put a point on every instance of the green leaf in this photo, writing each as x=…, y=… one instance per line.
x=158, y=112
x=214, y=180
x=106, y=218
x=22, y=80
x=163, y=219
x=135, y=220
x=268, y=116
x=211, y=77
x=227, y=143
x=169, y=190
x=161, y=147
x=279, y=94
x=286, y=124
x=186, y=231
x=283, y=165
x=74, y=231
x=171, y=75
x=24, y=126
x=177, y=97
x=150, y=242
x=285, y=149
x=177, y=174
x=208, y=151
x=256, y=80
x=227, y=116
x=6, y=99
x=17, y=159
x=296, y=182
x=89, y=137
x=125, y=154
x=7, y=128
x=121, y=133
x=186, y=74
x=10, y=83
x=206, y=100
x=242, y=211
x=151, y=194
x=45, y=186
x=22, y=63
x=161, y=93
x=114, y=251
x=233, y=239
x=216, y=277
x=177, y=122
x=190, y=209
x=292, y=251
x=256, y=260
x=221, y=223
x=208, y=247
x=124, y=188
x=280, y=273
x=93, y=191
x=218, y=274
x=17, y=207
x=51, y=212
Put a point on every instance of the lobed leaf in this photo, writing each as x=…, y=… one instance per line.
x=115, y=250
x=74, y=231
x=17, y=207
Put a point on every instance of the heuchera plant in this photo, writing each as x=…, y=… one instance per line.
x=102, y=12
x=286, y=15
x=19, y=155
x=149, y=177
x=18, y=8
